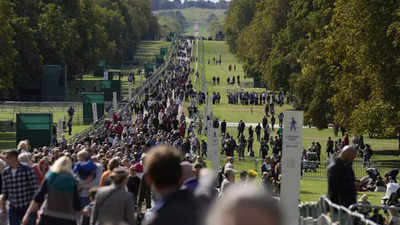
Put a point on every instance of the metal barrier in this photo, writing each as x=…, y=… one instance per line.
x=318, y=169
x=9, y=109
x=123, y=106
x=326, y=212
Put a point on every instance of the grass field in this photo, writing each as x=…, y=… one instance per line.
x=311, y=188
x=225, y=111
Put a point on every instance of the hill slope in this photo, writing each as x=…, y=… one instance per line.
x=195, y=15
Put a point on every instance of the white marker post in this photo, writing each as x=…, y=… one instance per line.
x=115, y=100
x=213, y=146
x=105, y=75
x=94, y=110
x=60, y=129
x=291, y=165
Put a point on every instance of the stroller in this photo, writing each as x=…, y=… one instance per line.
x=369, y=182
x=311, y=162
x=392, y=195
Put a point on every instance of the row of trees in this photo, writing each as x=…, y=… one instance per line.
x=171, y=21
x=177, y=4
x=76, y=33
x=341, y=58
x=214, y=25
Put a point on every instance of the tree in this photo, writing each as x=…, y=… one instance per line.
x=7, y=52
x=240, y=14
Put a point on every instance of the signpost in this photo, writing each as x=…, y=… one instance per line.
x=115, y=100
x=213, y=145
x=291, y=165
x=94, y=110
x=105, y=75
x=60, y=129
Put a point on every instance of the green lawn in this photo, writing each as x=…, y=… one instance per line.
x=225, y=111
x=311, y=188
x=148, y=50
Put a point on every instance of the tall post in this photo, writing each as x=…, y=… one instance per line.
x=213, y=143
x=291, y=165
x=94, y=111
x=115, y=100
x=60, y=129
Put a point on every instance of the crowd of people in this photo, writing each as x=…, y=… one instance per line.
x=146, y=165
x=270, y=99
x=142, y=158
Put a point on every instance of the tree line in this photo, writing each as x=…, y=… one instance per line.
x=75, y=33
x=214, y=25
x=171, y=21
x=340, y=59
x=177, y=4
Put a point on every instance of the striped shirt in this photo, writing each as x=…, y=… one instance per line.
x=19, y=188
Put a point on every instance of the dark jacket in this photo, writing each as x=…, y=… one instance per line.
x=180, y=208
x=341, y=183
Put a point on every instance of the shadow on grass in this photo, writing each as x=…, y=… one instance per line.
x=307, y=192
x=387, y=152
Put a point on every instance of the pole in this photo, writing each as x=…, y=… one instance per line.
x=291, y=165
x=94, y=111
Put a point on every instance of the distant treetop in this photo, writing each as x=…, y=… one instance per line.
x=178, y=4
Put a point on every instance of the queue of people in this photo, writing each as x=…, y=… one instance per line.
x=253, y=98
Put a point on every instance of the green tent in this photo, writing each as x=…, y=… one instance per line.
x=148, y=67
x=159, y=60
x=36, y=127
x=87, y=100
x=110, y=86
x=163, y=51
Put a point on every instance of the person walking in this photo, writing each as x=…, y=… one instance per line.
x=258, y=132
x=223, y=127
x=341, y=178
x=112, y=164
x=329, y=146
x=229, y=179
x=280, y=118
x=19, y=185
x=69, y=126
x=203, y=149
x=58, y=186
x=113, y=204
x=173, y=205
